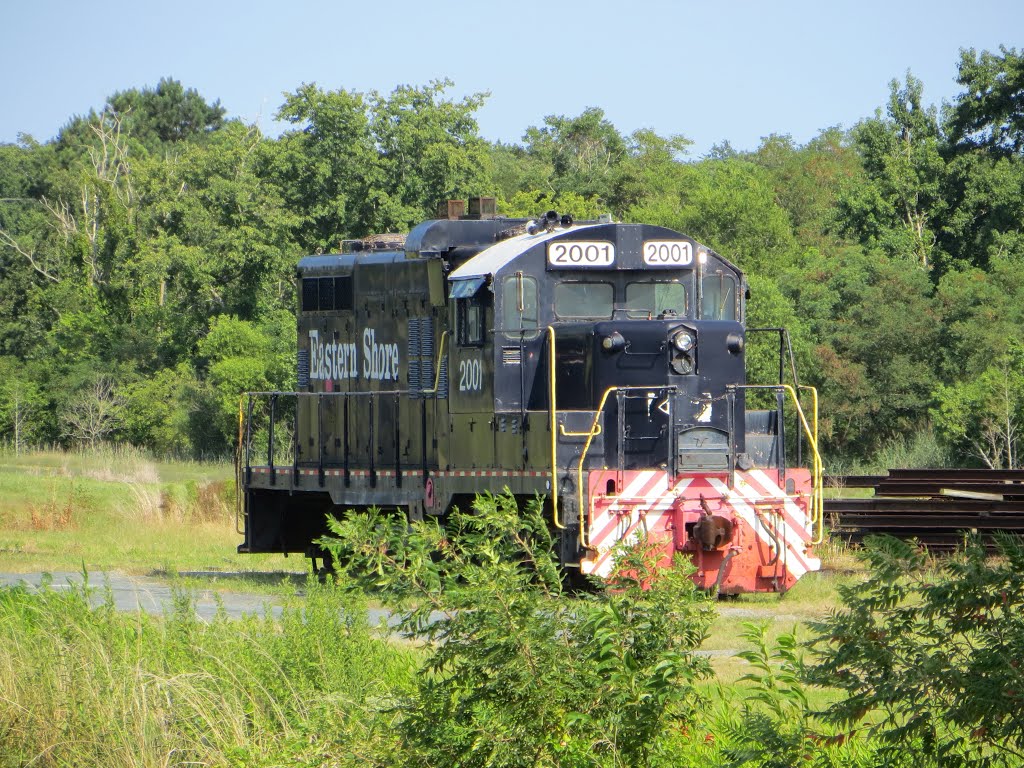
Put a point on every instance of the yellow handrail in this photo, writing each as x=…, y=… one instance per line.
x=437, y=368
x=819, y=495
x=595, y=430
x=239, y=493
x=564, y=433
x=553, y=419
x=817, y=504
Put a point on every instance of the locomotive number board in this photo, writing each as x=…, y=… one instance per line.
x=576, y=254
x=581, y=253
x=668, y=253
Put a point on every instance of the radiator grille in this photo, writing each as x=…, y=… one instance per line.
x=421, y=356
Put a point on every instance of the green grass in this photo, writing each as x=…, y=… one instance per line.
x=121, y=510
x=811, y=598
x=146, y=689
x=81, y=685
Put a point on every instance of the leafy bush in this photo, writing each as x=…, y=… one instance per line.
x=777, y=726
x=520, y=672
x=929, y=654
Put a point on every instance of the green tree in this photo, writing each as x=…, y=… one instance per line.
x=240, y=356
x=374, y=163
x=983, y=414
x=583, y=152
x=93, y=413
x=982, y=314
x=810, y=180
x=160, y=412
x=989, y=112
x=653, y=167
x=875, y=327
x=20, y=404
x=326, y=166
x=899, y=210
x=429, y=150
x=514, y=169
x=153, y=117
x=730, y=206
x=531, y=202
x=985, y=185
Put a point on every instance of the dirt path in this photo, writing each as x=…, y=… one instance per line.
x=155, y=596
x=152, y=595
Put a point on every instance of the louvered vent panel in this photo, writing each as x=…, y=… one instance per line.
x=414, y=337
x=415, y=378
x=427, y=337
x=427, y=375
x=511, y=356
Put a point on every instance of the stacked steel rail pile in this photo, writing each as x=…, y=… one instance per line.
x=934, y=506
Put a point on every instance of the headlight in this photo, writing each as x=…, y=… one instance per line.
x=683, y=366
x=613, y=342
x=683, y=341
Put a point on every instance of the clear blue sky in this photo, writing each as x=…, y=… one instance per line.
x=711, y=71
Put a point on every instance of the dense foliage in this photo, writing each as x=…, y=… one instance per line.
x=520, y=673
x=146, y=253
x=929, y=659
x=925, y=658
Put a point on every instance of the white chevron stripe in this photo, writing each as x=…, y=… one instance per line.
x=795, y=561
x=637, y=484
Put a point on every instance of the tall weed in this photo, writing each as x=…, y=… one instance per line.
x=85, y=685
x=922, y=448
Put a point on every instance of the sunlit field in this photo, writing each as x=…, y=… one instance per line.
x=119, y=509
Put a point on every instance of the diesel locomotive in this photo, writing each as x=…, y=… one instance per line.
x=599, y=365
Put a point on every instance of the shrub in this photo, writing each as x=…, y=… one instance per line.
x=930, y=655
x=519, y=672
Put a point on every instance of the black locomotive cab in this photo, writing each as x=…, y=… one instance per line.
x=642, y=327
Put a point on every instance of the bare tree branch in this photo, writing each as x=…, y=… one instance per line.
x=94, y=413
x=9, y=241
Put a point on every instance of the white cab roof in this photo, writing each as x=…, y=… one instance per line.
x=498, y=255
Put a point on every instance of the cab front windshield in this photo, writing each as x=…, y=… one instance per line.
x=656, y=299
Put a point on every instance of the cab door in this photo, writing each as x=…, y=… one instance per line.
x=471, y=380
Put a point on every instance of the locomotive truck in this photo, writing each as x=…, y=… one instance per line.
x=599, y=365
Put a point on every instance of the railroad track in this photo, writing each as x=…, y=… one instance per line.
x=934, y=506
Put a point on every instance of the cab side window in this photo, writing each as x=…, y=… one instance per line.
x=519, y=305
x=718, y=299
x=470, y=321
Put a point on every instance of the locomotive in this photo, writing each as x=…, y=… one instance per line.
x=598, y=365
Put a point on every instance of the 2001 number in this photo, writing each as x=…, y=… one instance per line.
x=668, y=252
x=471, y=375
x=581, y=254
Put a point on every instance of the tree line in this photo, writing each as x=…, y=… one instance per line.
x=147, y=253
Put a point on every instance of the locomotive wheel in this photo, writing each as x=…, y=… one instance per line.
x=326, y=571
